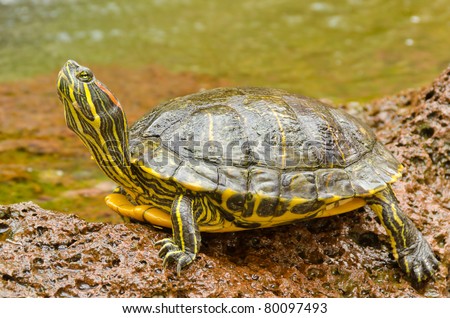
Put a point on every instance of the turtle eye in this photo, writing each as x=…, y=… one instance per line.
x=85, y=75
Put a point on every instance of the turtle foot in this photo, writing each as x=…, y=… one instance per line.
x=172, y=253
x=418, y=261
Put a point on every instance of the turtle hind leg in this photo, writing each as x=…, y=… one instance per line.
x=410, y=249
x=183, y=247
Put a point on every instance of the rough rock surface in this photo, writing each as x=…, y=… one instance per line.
x=49, y=254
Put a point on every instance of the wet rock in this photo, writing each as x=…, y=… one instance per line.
x=100, y=189
x=50, y=254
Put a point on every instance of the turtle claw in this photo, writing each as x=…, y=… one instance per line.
x=167, y=245
x=172, y=253
x=418, y=261
x=179, y=257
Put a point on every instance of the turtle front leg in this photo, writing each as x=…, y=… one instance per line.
x=410, y=249
x=184, y=246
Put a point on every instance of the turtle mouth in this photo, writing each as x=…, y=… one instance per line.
x=64, y=82
x=63, y=88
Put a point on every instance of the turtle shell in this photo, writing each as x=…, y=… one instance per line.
x=262, y=142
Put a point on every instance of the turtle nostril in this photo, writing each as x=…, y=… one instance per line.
x=73, y=63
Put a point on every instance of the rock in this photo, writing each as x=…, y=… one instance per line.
x=50, y=254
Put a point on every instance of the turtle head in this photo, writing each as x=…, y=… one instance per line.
x=95, y=115
x=86, y=99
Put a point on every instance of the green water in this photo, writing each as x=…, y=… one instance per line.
x=341, y=49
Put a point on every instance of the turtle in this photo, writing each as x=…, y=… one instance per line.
x=238, y=158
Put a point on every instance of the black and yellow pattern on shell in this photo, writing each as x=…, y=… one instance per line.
x=245, y=189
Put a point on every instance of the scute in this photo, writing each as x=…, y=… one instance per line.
x=333, y=184
x=262, y=145
x=292, y=181
x=263, y=191
x=156, y=159
x=364, y=179
x=386, y=166
x=188, y=175
x=263, y=181
x=234, y=178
